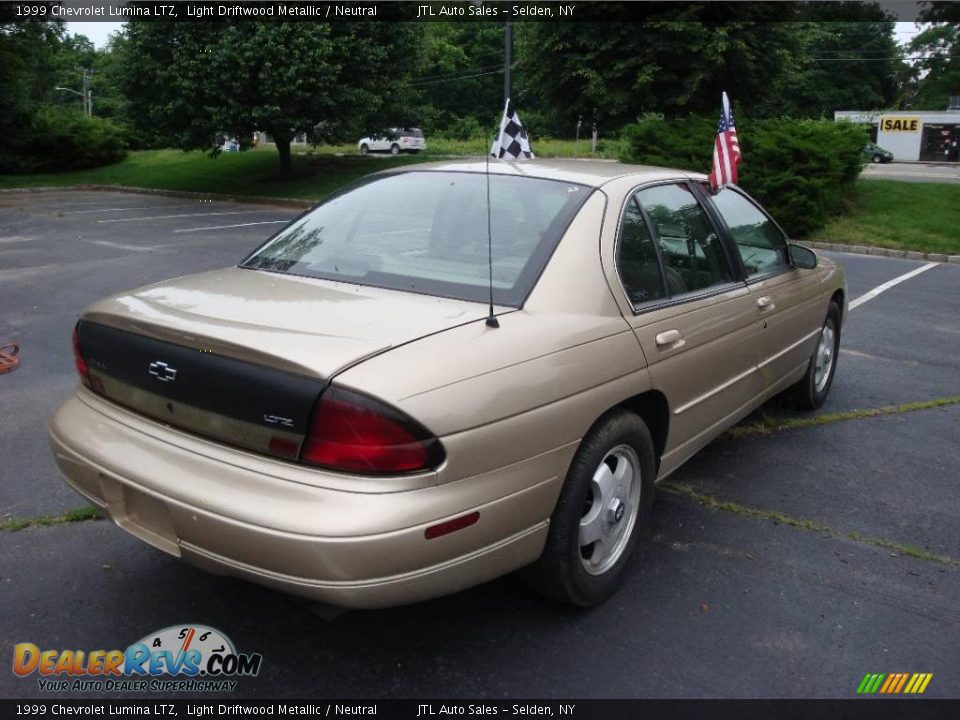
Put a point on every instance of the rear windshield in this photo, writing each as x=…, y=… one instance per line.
x=426, y=232
x=412, y=132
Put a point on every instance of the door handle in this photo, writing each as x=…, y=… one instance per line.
x=765, y=303
x=669, y=337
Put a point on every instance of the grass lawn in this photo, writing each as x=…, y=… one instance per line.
x=317, y=172
x=900, y=215
x=245, y=173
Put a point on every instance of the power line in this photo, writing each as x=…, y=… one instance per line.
x=454, y=79
x=884, y=59
x=442, y=76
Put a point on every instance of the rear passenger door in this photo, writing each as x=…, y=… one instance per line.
x=692, y=314
x=786, y=299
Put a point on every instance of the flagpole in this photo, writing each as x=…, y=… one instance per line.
x=491, y=318
x=507, y=59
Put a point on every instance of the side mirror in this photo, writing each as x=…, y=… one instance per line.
x=802, y=257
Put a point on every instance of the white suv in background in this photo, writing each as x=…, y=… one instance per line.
x=393, y=141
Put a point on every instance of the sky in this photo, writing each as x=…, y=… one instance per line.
x=99, y=32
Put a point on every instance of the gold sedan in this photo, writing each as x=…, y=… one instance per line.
x=442, y=375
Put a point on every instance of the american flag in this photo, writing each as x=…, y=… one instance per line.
x=726, y=149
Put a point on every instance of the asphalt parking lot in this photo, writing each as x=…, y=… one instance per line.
x=786, y=564
x=914, y=172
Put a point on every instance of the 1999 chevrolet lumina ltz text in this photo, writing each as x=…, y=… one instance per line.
x=337, y=418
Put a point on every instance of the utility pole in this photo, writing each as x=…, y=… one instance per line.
x=593, y=140
x=87, y=94
x=507, y=60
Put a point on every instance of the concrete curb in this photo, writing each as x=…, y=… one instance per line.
x=884, y=252
x=294, y=202
x=285, y=202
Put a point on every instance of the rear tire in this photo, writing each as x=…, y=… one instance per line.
x=603, y=509
x=877, y=158
x=811, y=392
x=394, y=149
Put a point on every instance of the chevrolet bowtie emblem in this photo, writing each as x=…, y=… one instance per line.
x=163, y=372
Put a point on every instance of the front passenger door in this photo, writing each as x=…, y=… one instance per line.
x=787, y=300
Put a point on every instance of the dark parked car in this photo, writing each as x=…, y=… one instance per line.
x=877, y=154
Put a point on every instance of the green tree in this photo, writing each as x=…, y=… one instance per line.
x=27, y=72
x=44, y=128
x=187, y=81
x=676, y=62
x=846, y=59
x=460, y=76
x=109, y=100
x=74, y=55
x=937, y=61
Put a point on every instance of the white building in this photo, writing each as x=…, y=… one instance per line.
x=913, y=135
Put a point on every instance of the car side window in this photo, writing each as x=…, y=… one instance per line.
x=691, y=252
x=761, y=244
x=637, y=260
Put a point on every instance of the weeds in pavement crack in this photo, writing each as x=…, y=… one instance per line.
x=83, y=514
x=769, y=424
x=803, y=524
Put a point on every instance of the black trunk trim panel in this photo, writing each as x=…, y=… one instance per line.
x=223, y=386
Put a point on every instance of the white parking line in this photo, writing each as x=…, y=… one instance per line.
x=121, y=246
x=889, y=284
x=164, y=217
x=224, y=227
x=103, y=210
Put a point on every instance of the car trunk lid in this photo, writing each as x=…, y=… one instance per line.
x=242, y=355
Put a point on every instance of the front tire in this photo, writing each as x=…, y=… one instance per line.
x=811, y=392
x=394, y=149
x=364, y=149
x=603, y=509
x=877, y=158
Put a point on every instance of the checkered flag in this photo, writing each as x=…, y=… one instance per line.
x=511, y=142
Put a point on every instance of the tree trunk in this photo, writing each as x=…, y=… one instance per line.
x=283, y=147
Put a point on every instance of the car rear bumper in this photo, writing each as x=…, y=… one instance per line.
x=234, y=513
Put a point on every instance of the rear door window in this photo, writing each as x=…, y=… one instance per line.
x=637, y=260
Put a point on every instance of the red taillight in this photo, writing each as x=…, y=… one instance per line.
x=354, y=433
x=81, y=364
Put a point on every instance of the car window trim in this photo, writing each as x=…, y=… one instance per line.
x=686, y=297
x=736, y=267
x=732, y=243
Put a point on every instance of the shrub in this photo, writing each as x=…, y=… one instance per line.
x=800, y=170
x=464, y=128
x=59, y=140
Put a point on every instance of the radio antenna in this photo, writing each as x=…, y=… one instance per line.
x=491, y=318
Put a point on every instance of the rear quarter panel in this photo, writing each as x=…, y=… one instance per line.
x=535, y=385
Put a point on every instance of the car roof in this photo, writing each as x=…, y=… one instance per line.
x=594, y=173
